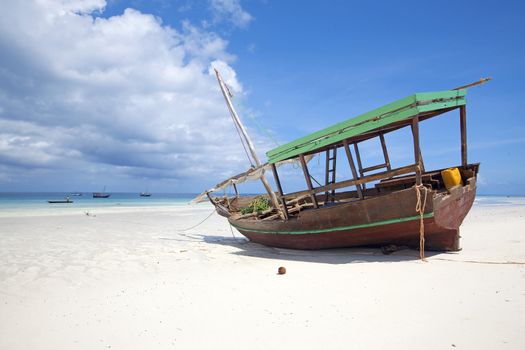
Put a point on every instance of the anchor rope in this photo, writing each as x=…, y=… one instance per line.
x=420, y=208
x=200, y=223
x=231, y=230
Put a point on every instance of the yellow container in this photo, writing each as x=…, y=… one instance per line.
x=451, y=177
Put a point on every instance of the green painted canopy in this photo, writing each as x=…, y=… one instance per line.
x=382, y=119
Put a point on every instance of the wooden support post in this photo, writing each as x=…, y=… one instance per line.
x=359, y=164
x=334, y=172
x=236, y=190
x=463, y=127
x=417, y=152
x=308, y=181
x=352, y=167
x=422, y=161
x=385, y=151
x=280, y=190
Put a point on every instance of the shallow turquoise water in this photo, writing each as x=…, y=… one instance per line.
x=38, y=201
x=499, y=200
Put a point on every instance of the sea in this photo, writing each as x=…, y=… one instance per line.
x=37, y=202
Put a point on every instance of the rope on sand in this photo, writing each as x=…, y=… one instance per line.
x=483, y=262
x=420, y=208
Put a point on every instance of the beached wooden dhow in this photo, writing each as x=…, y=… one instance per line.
x=379, y=205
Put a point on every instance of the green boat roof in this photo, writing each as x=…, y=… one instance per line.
x=386, y=118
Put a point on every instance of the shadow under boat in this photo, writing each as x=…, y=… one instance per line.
x=335, y=256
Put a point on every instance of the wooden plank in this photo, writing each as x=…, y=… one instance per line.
x=280, y=190
x=417, y=152
x=481, y=81
x=405, y=180
x=463, y=127
x=352, y=167
x=375, y=167
x=347, y=183
x=308, y=181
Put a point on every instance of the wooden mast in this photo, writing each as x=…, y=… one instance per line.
x=251, y=147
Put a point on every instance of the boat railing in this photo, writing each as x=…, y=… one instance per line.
x=347, y=183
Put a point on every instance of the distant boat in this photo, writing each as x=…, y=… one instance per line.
x=65, y=200
x=76, y=194
x=102, y=194
x=145, y=194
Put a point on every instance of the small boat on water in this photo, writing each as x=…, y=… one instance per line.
x=145, y=194
x=61, y=201
x=102, y=194
x=75, y=194
x=378, y=205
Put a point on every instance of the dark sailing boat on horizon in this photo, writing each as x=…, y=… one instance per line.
x=102, y=194
x=407, y=206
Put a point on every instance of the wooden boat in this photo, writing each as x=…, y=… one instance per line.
x=102, y=194
x=379, y=205
x=145, y=194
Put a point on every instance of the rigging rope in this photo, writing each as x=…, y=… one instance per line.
x=317, y=182
x=242, y=142
x=420, y=208
x=263, y=130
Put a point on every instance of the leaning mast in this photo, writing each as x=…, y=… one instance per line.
x=247, y=139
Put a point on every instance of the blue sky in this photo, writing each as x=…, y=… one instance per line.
x=119, y=93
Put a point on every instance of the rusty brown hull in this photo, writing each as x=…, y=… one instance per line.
x=386, y=219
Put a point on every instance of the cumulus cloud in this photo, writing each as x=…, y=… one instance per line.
x=230, y=11
x=125, y=94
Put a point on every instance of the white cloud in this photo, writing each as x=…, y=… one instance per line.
x=123, y=94
x=230, y=11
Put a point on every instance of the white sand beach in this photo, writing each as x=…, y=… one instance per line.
x=128, y=279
